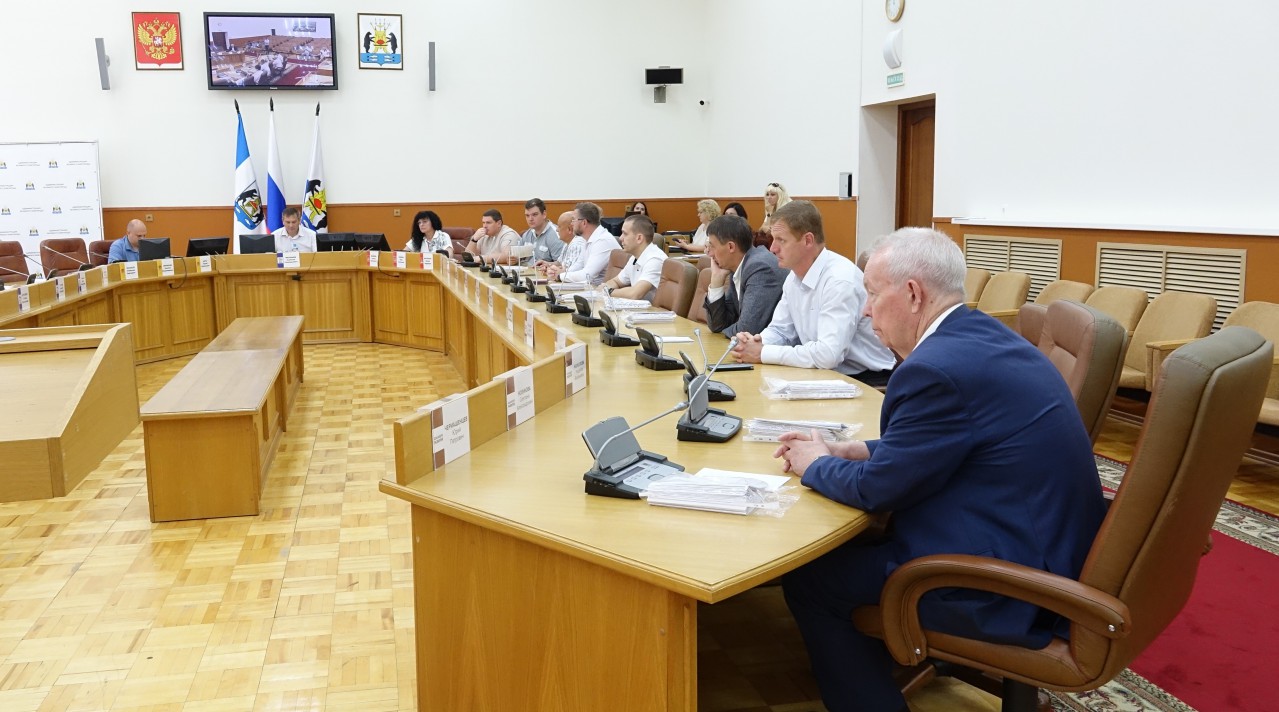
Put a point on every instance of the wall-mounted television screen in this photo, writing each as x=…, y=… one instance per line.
x=270, y=51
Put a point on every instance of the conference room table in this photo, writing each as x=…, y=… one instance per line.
x=532, y=595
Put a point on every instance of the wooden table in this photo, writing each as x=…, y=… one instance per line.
x=211, y=432
x=532, y=595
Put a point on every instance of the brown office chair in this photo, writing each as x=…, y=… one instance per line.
x=1029, y=320
x=1087, y=347
x=975, y=280
x=1170, y=321
x=74, y=253
x=763, y=237
x=11, y=260
x=1124, y=304
x=1004, y=294
x=679, y=280
x=461, y=237
x=697, y=308
x=99, y=252
x=703, y=262
x=1263, y=318
x=617, y=260
x=1139, y=572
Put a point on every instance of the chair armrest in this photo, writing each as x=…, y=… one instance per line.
x=1095, y=610
x=1007, y=316
x=1156, y=352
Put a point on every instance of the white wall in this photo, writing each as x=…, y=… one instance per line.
x=535, y=98
x=1094, y=112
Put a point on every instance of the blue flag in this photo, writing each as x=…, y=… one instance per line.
x=247, y=202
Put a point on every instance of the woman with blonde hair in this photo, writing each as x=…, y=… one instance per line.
x=775, y=196
x=707, y=210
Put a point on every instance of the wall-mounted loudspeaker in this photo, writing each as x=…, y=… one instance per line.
x=893, y=49
x=845, y=185
x=103, y=62
x=430, y=66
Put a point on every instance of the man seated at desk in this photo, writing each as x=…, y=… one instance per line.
x=981, y=451
x=590, y=266
x=125, y=249
x=540, y=234
x=494, y=240
x=573, y=246
x=746, y=282
x=292, y=237
x=818, y=322
x=643, y=272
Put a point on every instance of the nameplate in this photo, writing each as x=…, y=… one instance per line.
x=288, y=260
x=479, y=295
x=130, y=270
x=519, y=395
x=81, y=282
x=206, y=263
x=373, y=258
x=166, y=267
x=401, y=260
x=574, y=369
x=529, y=319
x=450, y=429
x=60, y=288
x=561, y=339
x=24, y=299
x=490, y=291
x=428, y=261
x=510, y=316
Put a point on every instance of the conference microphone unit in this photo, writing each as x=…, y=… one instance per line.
x=495, y=272
x=531, y=291
x=701, y=423
x=30, y=277
x=649, y=354
x=518, y=285
x=715, y=390
x=621, y=468
x=84, y=266
x=610, y=336
x=553, y=305
x=582, y=317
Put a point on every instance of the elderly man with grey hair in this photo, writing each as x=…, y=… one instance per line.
x=981, y=452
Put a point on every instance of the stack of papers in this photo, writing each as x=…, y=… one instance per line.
x=653, y=317
x=718, y=491
x=765, y=430
x=781, y=389
x=618, y=304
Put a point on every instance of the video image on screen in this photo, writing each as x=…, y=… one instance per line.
x=253, y=51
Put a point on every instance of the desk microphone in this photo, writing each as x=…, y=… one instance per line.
x=532, y=295
x=633, y=469
x=610, y=336
x=29, y=276
x=83, y=265
x=649, y=354
x=702, y=423
x=721, y=366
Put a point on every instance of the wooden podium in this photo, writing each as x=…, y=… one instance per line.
x=69, y=396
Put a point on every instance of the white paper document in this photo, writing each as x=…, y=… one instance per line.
x=770, y=431
x=781, y=389
x=720, y=491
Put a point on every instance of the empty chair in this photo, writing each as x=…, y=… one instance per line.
x=974, y=281
x=64, y=254
x=1172, y=319
x=679, y=280
x=99, y=252
x=617, y=260
x=11, y=261
x=1004, y=294
x=461, y=237
x=1141, y=567
x=1029, y=320
x=1124, y=304
x=697, y=309
x=1087, y=347
x=1263, y=318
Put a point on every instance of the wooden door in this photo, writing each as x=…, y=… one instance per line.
x=916, y=126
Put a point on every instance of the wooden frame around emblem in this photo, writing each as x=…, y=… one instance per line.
x=157, y=41
x=379, y=40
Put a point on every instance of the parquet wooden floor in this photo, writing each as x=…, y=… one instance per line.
x=307, y=606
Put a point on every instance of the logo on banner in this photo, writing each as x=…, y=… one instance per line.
x=79, y=185
x=33, y=232
x=53, y=163
x=31, y=186
x=315, y=205
x=4, y=211
x=248, y=206
x=3, y=166
x=84, y=230
x=56, y=210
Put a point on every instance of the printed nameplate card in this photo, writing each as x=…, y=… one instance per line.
x=401, y=260
x=528, y=328
x=519, y=395
x=130, y=270
x=24, y=299
x=288, y=260
x=450, y=429
x=574, y=369
x=166, y=267
x=206, y=263
x=373, y=257
x=60, y=288
x=81, y=282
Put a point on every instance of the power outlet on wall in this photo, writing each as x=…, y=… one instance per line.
x=149, y=217
x=395, y=213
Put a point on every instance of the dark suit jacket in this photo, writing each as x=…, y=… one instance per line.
x=762, y=283
x=982, y=451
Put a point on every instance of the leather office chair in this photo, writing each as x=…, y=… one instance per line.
x=1029, y=320
x=11, y=259
x=1004, y=294
x=697, y=308
x=1170, y=320
x=74, y=253
x=1124, y=304
x=975, y=280
x=1263, y=318
x=679, y=280
x=1087, y=347
x=99, y=252
x=1142, y=565
x=703, y=262
x=764, y=238
x=617, y=260
x=461, y=237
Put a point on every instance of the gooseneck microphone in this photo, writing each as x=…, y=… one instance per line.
x=706, y=363
x=682, y=405
x=83, y=265
x=706, y=377
x=630, y=468
x=702, y=423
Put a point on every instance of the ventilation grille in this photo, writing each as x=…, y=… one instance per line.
x=1160, y=268
x=1039, y=258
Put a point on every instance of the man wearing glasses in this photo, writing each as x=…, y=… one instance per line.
x=589, y=268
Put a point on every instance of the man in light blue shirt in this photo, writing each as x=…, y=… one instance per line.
x=541, y=234
x=126, y=248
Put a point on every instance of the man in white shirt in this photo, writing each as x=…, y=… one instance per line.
x=819, y=322
x=592, y=263
x=493, y=241
x=540, y=234
x=642, y=274
x=293, y=237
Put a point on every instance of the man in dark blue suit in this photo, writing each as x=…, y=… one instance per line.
x=982, y=451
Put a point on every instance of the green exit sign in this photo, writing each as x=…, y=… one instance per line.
x=896, y=80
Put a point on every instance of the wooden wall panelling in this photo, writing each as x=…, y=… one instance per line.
x=65, y=316
x=336, y=306
x=105, y=412
x=255, y=295
x=426, y=312
x=146, y=306
x=191, y=315
x=99, y=309
x=390, y=310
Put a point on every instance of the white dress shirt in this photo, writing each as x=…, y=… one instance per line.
x=303, y=242
x=645, y=268
x=819, y=324
x=700, y=237
x=714, y=294
x=572, y=252
x=590, y=267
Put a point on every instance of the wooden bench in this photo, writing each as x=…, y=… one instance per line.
x=211, y=432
